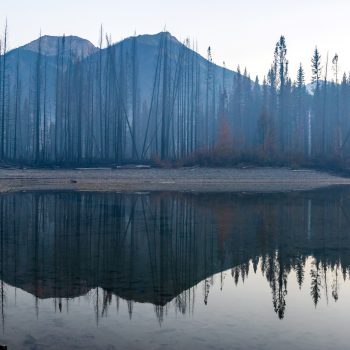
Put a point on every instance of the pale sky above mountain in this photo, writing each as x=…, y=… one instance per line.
x=239, y=31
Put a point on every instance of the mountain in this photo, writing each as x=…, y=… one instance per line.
x=147, y=47
x=76, y=101
x=78, y=47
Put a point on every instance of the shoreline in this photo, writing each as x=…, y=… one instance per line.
x=196, y=179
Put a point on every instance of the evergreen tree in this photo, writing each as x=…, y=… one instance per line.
x=317, y=128
x=316, y=69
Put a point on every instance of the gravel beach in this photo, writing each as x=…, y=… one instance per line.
x=196, y=179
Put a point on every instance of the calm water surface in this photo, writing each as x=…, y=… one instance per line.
x=175, y=270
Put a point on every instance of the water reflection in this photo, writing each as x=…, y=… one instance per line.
x=157, y=247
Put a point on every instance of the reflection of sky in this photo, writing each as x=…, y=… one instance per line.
x=240, y=31
x=239, y=316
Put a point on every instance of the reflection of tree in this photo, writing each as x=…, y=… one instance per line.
x=2, y=267
x=206, y=286
x=299, y=267
x=235, y=272
x=157, y=247
x=335, y=284
x=3, y=300
x=276, y=273
x=315, y=281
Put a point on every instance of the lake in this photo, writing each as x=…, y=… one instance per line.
x=175, y=270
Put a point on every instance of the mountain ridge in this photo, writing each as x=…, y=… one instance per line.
x=79, y=47
x=87, y=48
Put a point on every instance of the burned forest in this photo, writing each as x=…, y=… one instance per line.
x=154, y=99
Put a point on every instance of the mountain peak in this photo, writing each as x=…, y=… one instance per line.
x=78, y=47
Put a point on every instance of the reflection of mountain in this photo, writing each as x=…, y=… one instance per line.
x=153, y=247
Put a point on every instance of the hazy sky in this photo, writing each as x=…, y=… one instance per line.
x=239, y=31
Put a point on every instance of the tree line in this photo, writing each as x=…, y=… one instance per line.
x=104, y=108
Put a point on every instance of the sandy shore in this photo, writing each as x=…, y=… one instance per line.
x=153, y=179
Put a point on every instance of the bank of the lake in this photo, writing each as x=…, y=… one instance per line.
x=196, y=179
